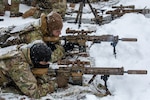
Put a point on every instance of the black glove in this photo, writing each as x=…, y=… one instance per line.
x=51, y=45
x=69, y=46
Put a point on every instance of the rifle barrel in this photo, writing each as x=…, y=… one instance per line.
x=104, y=71
x=136, y=71
x=128, y=39
x=111, y=71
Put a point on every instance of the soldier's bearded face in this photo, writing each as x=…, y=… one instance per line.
x=57, y=32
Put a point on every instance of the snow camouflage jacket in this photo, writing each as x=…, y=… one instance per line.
x=15, y=67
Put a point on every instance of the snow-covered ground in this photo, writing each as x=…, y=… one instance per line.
x=130, y=55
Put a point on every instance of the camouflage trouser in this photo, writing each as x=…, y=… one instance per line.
x=38, y=13
x=14, y=8
x=30, y=2
x=3, y=79
x=2, y=7
x=60, y=8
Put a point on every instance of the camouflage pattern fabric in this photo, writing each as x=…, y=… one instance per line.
x=29, y=37
x=25, y=37
x=58, y=54
x=38, y=13
x=46, y=6
x=37, y=35
x=3, y=79
x=17, y=68
x=60, y=7
x=14, y=8
x=29, y=2
x=2, y=7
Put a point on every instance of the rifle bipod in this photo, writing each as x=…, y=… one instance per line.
x=1, y=19
x=104, y=78
x=79, y=15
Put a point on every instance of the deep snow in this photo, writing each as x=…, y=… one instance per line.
x=130, y=55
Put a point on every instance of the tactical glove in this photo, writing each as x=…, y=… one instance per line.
x=61, y=81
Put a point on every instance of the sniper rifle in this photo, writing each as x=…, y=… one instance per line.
x=74, y=73
x=121, y=10
x=80, y=40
